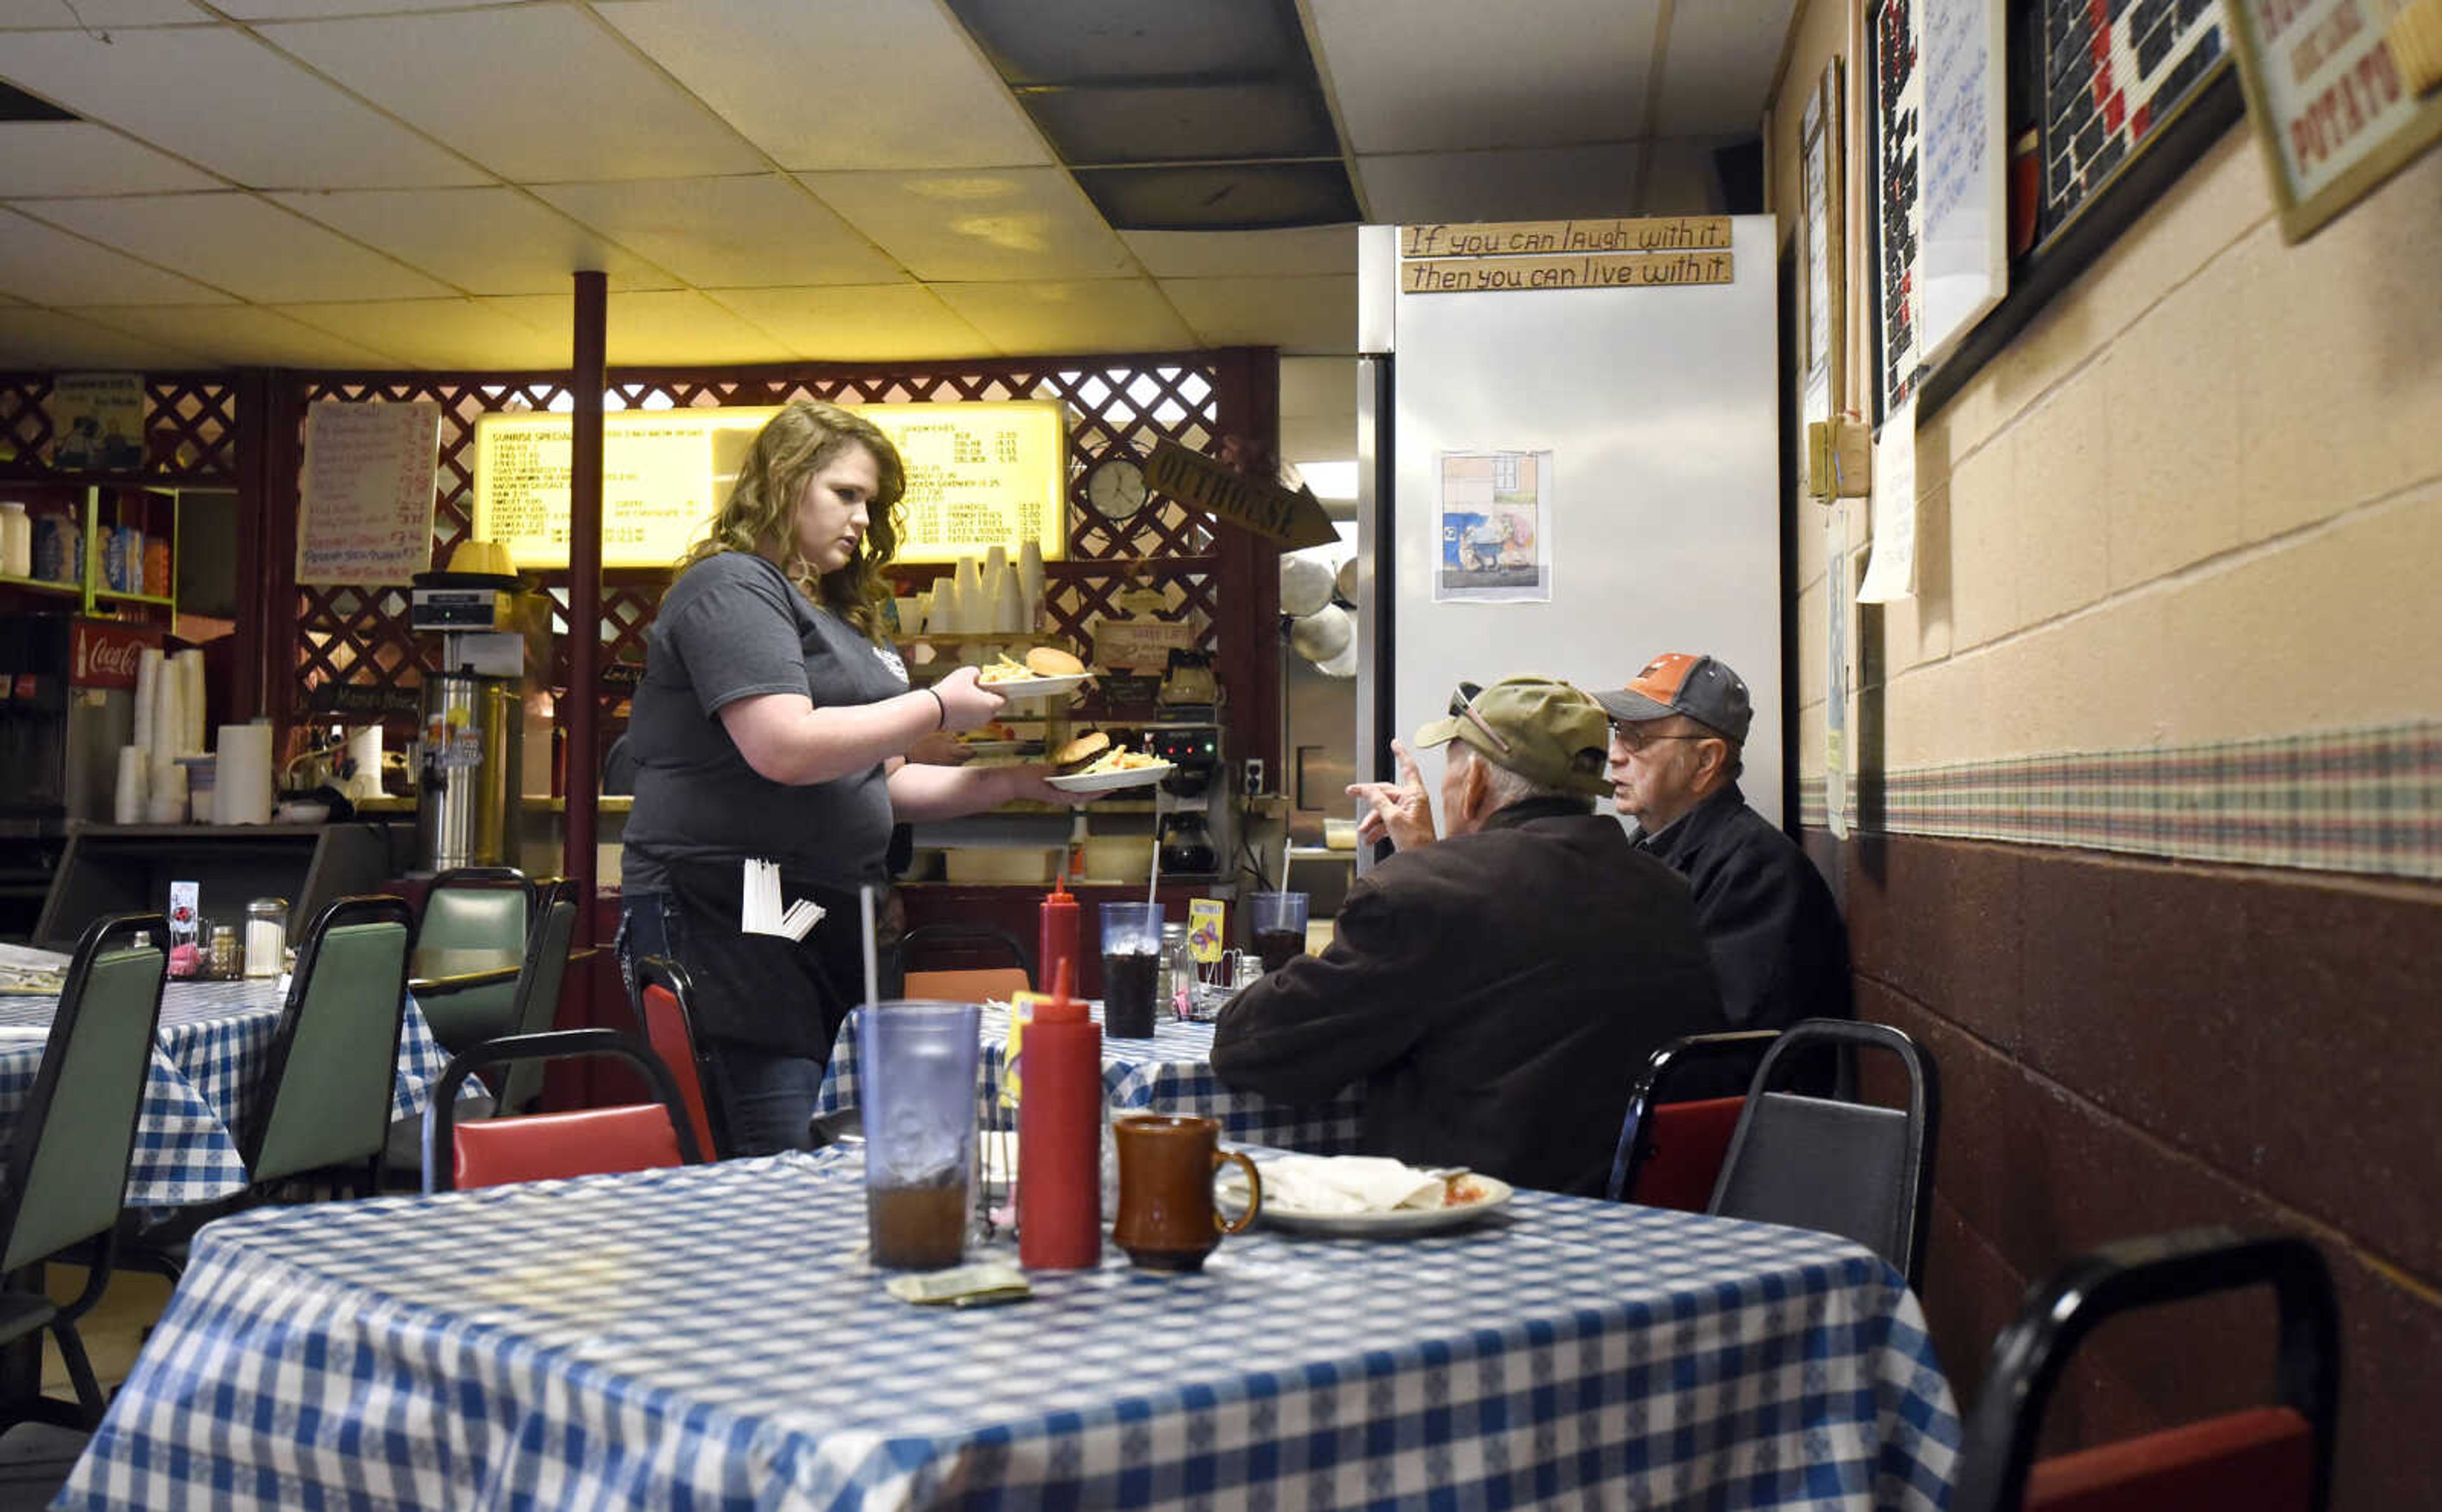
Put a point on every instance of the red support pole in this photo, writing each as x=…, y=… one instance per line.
x=582, y=714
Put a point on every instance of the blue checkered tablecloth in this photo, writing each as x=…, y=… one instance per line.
x=1170, y=1073
x=717, y=1342
x=208, y=1059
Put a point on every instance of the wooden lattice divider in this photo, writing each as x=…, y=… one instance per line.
x=190, y=431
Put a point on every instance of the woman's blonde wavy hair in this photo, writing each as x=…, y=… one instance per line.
x=803, y=438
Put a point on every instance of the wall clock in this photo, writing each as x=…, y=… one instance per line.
x=1116, y=487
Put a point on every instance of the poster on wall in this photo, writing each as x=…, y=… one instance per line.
x=2334, y=89
x=1890, y=571
x=1495, y=510
x=1962, y=214
x=97, y=422
x=2110, y=78
x=1819, y=165
x=365, y=509
x=1892, y=126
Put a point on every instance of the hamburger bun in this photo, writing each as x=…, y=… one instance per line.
x=1050, y=661
x=1083, y=752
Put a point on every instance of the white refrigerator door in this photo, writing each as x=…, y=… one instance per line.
x=1658, y=407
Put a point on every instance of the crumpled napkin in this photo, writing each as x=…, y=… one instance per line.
x=1348, y=1183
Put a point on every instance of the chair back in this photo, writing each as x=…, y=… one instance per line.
x=326, y=1091
x=959, y=979
x=538, y=983
x=474, y=908
x=2262, y=1458
x=75, y=1133
x=545, y=1145
x=1672, y=1140
x=1862, y=1172
x=665, y=1009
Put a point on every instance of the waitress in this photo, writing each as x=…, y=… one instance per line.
x=772, y=722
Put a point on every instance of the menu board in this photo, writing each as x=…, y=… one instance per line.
x=978, y=475
x=366, y=511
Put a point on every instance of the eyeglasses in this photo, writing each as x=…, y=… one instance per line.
x=1633, y=737
x=1462, y=706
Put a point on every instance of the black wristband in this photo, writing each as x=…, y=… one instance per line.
x=943, y=723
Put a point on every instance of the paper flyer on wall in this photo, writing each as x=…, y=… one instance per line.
x=1495, y=527
x=1835, y=671
x=1891, y=572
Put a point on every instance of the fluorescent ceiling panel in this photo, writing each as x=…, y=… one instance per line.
x=1021, y=223
x=1100, y=314
x=483, y=241
x=880, y=323
x=1288, y=251
x=250, y=247
x=850, y=84
x=238, y=336
x=218, y=98
x=46, y=265
x=1452, y=75
x=538, y=94
x=47, y=338
x=1184, y=122
x=47, y=157
x=1033, y=42
x=1297, y=314
x=1222, y=196
x=760, y=229
x=1526, y=185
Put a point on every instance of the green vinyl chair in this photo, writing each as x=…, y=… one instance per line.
x=70, y=1149
x=482, y=908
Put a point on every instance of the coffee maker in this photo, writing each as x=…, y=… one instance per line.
x=470, y=748
x=1184, y=833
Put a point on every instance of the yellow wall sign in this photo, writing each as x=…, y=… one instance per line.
x=978, y=475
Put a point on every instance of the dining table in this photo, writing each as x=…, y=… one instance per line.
x=1170, y=1073
x=713, y=1336
x=208, y=1053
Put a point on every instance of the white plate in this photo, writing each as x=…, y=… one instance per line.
x=1399, y=1223
x=998, y=748
x=1111, y=781
x=1036, y=687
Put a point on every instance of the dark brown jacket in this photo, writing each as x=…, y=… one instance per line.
x=1495, y=992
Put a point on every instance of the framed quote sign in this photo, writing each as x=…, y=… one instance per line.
x=2332, y=86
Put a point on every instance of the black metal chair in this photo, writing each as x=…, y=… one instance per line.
x=2265, y=1459
x=536, y=1001
x=71, y=1144
x=1852, y=1169
x=543, y=1146
x=1681, y=1116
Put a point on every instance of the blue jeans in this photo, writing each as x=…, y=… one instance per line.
x=767, y=1100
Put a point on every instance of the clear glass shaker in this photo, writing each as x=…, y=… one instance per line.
x=266, y=935
x=1177, y=984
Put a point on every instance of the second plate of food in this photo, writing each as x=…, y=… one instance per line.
x=1111, y=779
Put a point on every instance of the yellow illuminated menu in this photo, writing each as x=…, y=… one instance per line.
x=978, y=475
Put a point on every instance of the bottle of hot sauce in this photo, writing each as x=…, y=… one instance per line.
x=1060, y=1136
x=1056, y=945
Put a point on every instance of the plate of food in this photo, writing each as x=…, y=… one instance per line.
x=1091, y=763
x=1046, y=671
x=1369, y=1197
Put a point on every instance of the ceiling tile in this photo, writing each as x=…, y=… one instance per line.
x=48, y=267
x=1717, y=79
x=1245, y=254
x=219, y=98
x=537, y=93
x=1457, y=74
x=51, y=14
x=1316, y=314
x=1319, y=385
x=1544, y=184
x=443, y=334
x=483, y=241
x=39, y=157
x=760, y=229
x=768, y=66
x=673, y=328
x=1056, y=318
x=315, y=9
x=881, y=323
x=1023, y=223
x=235, y=335
x=250, y=247
x=47, y=338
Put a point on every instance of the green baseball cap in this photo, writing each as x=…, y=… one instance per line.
x=1541, y=728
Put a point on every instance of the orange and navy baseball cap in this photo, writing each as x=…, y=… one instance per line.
x=1704, y=689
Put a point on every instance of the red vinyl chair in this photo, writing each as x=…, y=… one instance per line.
x=544, y=1146
x=665, y=1009
x=1671, y=1144
x=2259, y=1459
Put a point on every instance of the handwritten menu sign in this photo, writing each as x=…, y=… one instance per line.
x=367, y=511
x=978, y=475
x=1961, y=217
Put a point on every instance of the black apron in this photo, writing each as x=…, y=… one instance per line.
x=785, y=997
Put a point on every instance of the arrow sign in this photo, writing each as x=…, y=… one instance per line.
x=1292, y=517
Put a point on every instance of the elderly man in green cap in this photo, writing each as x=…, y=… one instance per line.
x=1497, y=990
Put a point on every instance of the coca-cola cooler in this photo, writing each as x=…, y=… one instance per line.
x=68, y=704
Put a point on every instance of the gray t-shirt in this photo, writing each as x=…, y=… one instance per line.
x=731, y=626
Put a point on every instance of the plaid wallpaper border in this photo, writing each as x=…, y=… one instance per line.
x=2366, y=801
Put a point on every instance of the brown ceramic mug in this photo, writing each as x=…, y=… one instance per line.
x=1167, y=1219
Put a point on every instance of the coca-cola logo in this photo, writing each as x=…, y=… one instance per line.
x=107, y=655
x=112, y=658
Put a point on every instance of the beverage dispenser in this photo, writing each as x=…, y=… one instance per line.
x=469, y=749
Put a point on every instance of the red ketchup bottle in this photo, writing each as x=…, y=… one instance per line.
x=1057, y=944
x=1060, y=1136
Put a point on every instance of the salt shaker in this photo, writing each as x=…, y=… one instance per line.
x=266, y=935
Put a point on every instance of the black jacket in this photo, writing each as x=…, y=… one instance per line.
x=1496, y=993
x=1779, y=951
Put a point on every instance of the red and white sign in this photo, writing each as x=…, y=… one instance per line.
x=103, y=654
